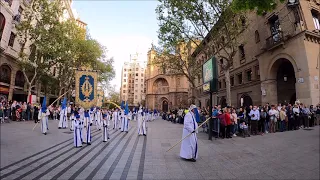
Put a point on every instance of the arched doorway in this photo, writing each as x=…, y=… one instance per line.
x=160, y=86
x=286, y=82
x=165, y=106
x=5, y=74
x=245, y=101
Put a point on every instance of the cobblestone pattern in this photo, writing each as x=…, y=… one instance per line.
x=27, y=154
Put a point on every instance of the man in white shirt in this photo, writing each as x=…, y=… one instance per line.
x=274, y=115
x=296, y=112
x=255, y=117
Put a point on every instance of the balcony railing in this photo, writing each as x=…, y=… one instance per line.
x=274, y=40
x=17, y=18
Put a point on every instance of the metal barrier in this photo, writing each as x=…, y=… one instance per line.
x=216, y=127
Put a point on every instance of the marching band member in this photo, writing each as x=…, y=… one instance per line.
x=88, y=124
x=63, y=115
x=43, y=117
x=141, y=122
x=77, y=139
x=105, y=132
x=189, y=146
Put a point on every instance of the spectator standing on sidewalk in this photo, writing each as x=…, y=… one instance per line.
x=263, y=117
x=228, y=121
x=234, y=119
x=28, y=111
x=255, y=117
x=290, y=116
x=273, y=114
x=283, y=116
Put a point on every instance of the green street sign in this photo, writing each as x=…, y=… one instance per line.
x=210, y=75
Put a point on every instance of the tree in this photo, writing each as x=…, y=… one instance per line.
x=39, y=30
x=213, y=23
x=260, y=6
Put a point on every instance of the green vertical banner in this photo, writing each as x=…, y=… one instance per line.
x=210, y=75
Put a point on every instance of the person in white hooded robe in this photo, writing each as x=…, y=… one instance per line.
x=105, y=124
x=43, y=117
x=115, y=119
x=189, y=146
x=142, y=130
x=98, y=117
x=77, y=139
x=124, y=119
x=63, y=122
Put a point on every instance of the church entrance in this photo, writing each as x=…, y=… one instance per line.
x=165, y=106
x=245, y=101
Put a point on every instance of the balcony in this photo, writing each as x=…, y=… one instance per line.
x=275, y=40
x=17, y=19
x=27, y=2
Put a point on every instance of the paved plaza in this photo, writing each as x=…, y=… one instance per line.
x=27, y=154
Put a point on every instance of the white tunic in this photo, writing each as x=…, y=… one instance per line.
x=141, y=123
x=105, y=132
x=189, y=146
x=77, y=134
x=124, y=123
x=98, y=117
x=115, y=117
x=44, y=120
x=87, y=124
x=72, y=122
x=63, y=118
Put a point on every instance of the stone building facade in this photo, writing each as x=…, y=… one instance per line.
x=12, y=81
x=278, y=62
x=165, y=90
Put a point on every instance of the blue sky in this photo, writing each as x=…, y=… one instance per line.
x=124, y=27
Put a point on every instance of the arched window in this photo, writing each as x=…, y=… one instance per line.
x=19, y=81
x=257, y=36
x=5, y=74
x=2, y=24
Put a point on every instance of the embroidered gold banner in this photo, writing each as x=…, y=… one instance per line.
x=86, y=88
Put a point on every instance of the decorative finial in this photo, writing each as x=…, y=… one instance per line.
x=152, y=45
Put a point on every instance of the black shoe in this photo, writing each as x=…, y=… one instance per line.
x=45, y=133
x=104, y=141
x=59, y=127
x=126, y=131
x=48, y=129
x=144, y=134
x=192, y=160
x=88, y=143
x=83, y=142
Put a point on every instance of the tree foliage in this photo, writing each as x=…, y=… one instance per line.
x=57, y=47
x=211, y=25
x=260, y=6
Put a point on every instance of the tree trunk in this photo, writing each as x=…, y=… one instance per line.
x=29, y=92
x=228, y=86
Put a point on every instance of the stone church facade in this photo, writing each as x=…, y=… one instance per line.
x=164, y=90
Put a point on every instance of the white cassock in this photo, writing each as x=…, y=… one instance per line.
x=98, y=117
x=81, y=113
x=124, y=123
x=72, y=122
x=115, y=117
x=189, y=146
x=88, y=130
x=81, y=126
x=43, y=117
x=142, y=130
x=77, y=134
x=105, y=132
x=120, y=115
x=63, y=123
x=91, y=114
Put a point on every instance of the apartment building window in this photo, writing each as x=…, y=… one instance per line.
x=257, y=36
x=316, y=19
x=249, y=75
x=129, y=80
x=240, y=78
x=129, y=70
x=141, y=80
x=232, y=81
x=141, y=85
x=2, y=24
x=241, y=51
x=257, y=72
x=136, y=85
x=136, y=91
x=137, y=69
x=11, y=40
x=124, y=86
x=275, y=28
x=124, y=75
x=124, y=91
x=137, y=74
x=124, y=69
x=141, y=74
x=136, y=97
x=142, y=91
x=124, y=80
